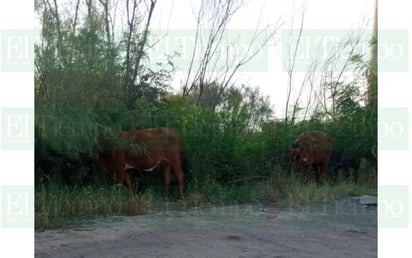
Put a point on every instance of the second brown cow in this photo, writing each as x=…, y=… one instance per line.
x=312, y=149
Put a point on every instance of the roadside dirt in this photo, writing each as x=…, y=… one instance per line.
x=341, y=228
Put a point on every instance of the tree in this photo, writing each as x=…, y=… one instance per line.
x=86, y=79
x=138, y=24
x=212, y=47
x=372, y=75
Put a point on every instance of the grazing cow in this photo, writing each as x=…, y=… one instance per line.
x=145, y=149
x=312, y=149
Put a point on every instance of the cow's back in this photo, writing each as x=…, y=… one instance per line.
x=154, y=139
x=318, y=140
x=153, y=145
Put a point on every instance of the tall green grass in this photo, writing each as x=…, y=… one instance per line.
x=56, y=206
x=61, y=206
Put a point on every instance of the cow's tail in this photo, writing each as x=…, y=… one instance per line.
x=185, y=167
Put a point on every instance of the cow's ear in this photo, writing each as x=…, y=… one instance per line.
x=294, y=145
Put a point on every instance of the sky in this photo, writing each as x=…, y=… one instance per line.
x=335, y=18
x=175, y=19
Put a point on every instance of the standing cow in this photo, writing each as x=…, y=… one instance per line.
x=146, y=150
x=312, y=149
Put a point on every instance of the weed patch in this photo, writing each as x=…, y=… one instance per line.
x=63, y=206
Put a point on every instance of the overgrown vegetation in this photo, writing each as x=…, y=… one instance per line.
x=88, y=84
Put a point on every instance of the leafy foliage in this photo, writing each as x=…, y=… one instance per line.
x=90, y=86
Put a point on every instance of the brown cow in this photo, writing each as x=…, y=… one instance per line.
x=312, y=149
x=145, y=149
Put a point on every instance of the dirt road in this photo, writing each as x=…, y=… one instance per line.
x=342, y=228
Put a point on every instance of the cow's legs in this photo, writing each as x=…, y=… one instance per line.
x=178, y=173
x=308, y=168
x=167, y=177
x=296, y=167
x=323, y=170
x=119, y=177
x=128, y=181
x=179, y=178
x=318, y=171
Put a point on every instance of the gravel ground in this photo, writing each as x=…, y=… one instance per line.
x=342, y=228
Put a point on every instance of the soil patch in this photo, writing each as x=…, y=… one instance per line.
x=341, y=228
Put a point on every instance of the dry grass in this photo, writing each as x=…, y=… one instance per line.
x=58, y=206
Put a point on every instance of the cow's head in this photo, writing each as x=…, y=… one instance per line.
x=295, y=151
x=306, y=147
